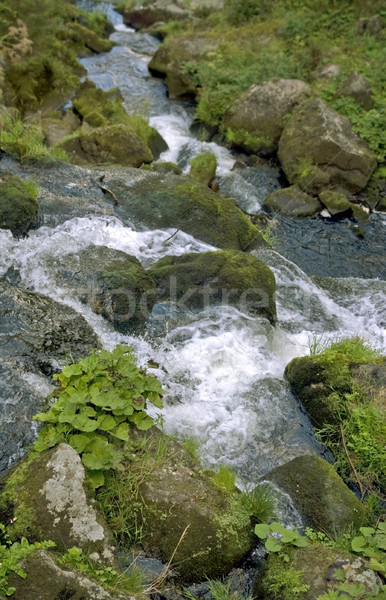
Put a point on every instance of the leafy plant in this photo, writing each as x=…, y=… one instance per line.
x=98, y=401
x=10, y=556
x=277, y=537
x=287, y=584
x=371, y=543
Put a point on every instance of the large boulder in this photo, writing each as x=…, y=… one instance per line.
x=36, y=334
x=323, y=500
x=113, y=283
x=293, y=202
x=229, y=277
x=257, y=117
x=47, y=498
x=150, y=13
x=46, y=579
x=320, y=568
x=114, y=144
x=158, y=201
x=18, y=205
x=318, y=149
x=174, y=54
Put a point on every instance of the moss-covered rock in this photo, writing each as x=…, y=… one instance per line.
x=46, y=579
x=323, y=500
x=113, y=283
x=320, y=568
x=318, y=149
x=19, y=207
x=166, y=167
x=203, y=168
x=256, y=118
x=47, y=497
x=335, y=202
x=86, y=41
x=228, y=277
x=178, y=509
x=293, y=202
x=114, y=144
x=150, y=13
x=158, y=201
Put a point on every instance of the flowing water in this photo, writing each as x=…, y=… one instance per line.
x=223, y=371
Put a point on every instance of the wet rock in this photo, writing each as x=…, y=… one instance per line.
x=323, y=500
x=46, y=580
x=166, y=167
x=113, y=283
x=321, y=569
x=292, y=201
x=114, y=144
x=318, y=149
x=158, y=201
x=50, y=499
x=150, y=13
x=203, y=168
x=18, y=205
x=335, y=202
x=357, y=87
x=257, y=117
x=197, y=281
x=37, y=334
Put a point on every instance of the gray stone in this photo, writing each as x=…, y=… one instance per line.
x=260, y=112
x=358, y=88
x=318, y=149
x=293, y=202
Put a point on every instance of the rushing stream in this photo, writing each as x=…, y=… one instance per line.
x=223, y=370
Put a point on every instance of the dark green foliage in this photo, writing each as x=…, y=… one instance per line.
x=98, y=401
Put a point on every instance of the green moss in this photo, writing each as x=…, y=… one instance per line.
x=203, y=168
x=18, y=205
x=250, y=142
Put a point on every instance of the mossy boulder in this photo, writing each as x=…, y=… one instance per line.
x=318, y=149
x=181, y=513
x=85, y=41
x=203, y=168
x=89, y=100
x=47, y=497
x=323, y=500
x=320, y=568
x=209, y=278
x=19, y=207
x=173, y=56
x=114, y=144
x=150, y=13
x=257, y=117
x=293, y=202
x=159, y=201
x=166, y=167
x=47, y=580
x=112, y=282
x=335, y=202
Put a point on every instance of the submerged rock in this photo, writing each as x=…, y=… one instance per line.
x=323, y=500
x=18, y=205
x=201, y=280
x=318, y=149
x=257, y=117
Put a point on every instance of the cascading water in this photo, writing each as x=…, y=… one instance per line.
x=222, y=370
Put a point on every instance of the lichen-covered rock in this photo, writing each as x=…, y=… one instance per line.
x=114, y=144
x=323, y=500
x=293, y=202
x=358, y=88
x=229, y=277
x=257, y=117
x=46, y=580
x=49, y=499
x=203, y=168
x=320, y=568
x=113, y=283
x=19, y=207
x=318, y=149
x=157, y=201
